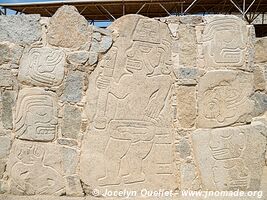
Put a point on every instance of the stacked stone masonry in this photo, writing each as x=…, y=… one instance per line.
x=176, y=103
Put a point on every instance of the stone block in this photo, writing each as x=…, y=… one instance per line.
x=20, y=29
x=73, y=87
x=68, y=29
x=224, y=98
x=36, y=115
x=42, y=66
x=230, y=158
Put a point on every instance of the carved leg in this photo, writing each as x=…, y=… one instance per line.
x=115, y=150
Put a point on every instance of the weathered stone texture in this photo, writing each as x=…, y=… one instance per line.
x=73, y=87
x=260, y=103
x=10, y=53
x=9, y=98
x=186, y=106
x=71, y=122
x=68, y=29
x=7, y=79
x=78, y=57
x=20, y=29
x=186, y=35
x=261, y=50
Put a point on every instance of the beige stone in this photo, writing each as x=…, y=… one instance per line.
x=71, y=122
x=36, y=115
x=35, y=168
x=231, y=158
x=128, y=104
x=42, y=66
x=225, y=41
x=186, y=35
x=261, y=50
x=223, y=98
x=69, y=29
x=186, y=106
x=259, y=79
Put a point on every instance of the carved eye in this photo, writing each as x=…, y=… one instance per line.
x=41, y=112
x=145, y=49
x=226, y=135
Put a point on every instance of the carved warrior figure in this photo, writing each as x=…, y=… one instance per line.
x=141, y=93
x=36, y=115
x=31, y=176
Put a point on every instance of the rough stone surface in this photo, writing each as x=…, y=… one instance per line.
x=78, y=57
x=231, y=158
x=261, y=50
x=42, y=66
x=20, y=29
x=167, y=104
x=5, y=144
x=67, y=142
x=71, y=122
x=10, y=53
x=73, y=87
x=183, y=148
x=68, y=29
x=9, y=98
x=7, y=79
x=260, y=103
x=186, y=106
x=259, y=79
x=186, y=35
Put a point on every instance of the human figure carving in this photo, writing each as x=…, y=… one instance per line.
x=141, y=95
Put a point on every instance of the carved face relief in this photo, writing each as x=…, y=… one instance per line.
x=36, y=115
x=42, y=66
x=226, y=145
x=224, y=98
x=225, y=42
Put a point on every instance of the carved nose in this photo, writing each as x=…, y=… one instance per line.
x=214, y=142
x=53, y=121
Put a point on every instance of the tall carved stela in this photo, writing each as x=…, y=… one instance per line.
x=130, y=139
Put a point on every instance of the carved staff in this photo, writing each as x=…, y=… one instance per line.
x=102, y=83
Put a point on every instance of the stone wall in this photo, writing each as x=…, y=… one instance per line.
x=173, y=103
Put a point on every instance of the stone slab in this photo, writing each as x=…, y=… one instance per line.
x=36, y=115
x=42, y=66
x=224, y=98
x=20, y=29
x=231, y=158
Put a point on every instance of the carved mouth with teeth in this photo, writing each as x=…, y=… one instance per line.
x=220, y=153
x=133, y=64
x=46, y=130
